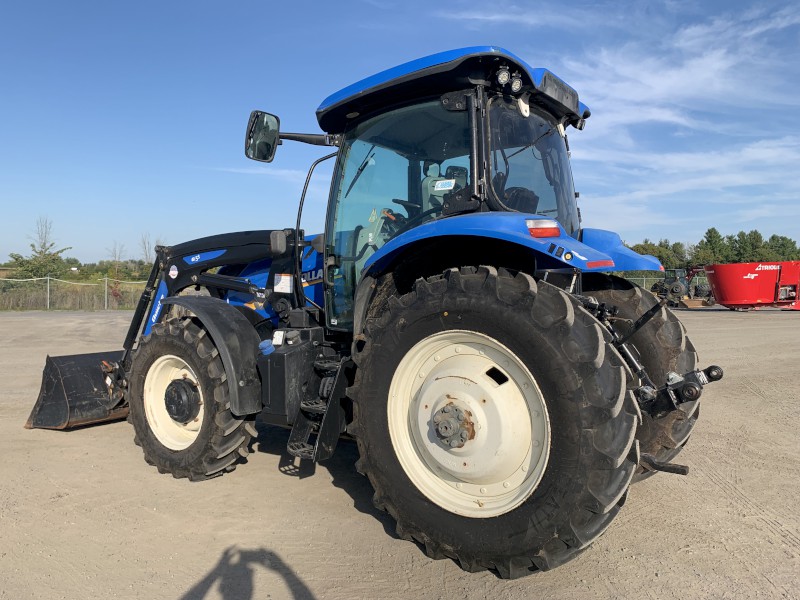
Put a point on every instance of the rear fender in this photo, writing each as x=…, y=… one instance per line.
x=237, y=343
x=557, y=252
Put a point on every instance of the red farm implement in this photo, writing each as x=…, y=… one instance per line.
x=750, y=285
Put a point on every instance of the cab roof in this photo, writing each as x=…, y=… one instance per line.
x=446, y=72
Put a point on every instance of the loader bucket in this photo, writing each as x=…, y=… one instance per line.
x=74, y=393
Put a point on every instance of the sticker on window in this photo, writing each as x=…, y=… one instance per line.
x=444, y=184
x=283, y=283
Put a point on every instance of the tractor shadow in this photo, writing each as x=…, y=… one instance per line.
x=233, y=575
x=341, y=466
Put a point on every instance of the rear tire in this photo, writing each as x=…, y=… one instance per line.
x=550, y=426
x=702, y=290
x=179, y=359
x=662, y=346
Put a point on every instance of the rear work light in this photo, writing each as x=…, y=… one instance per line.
x=543, y=228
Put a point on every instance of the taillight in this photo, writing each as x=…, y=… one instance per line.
x=543, y=228
x=595, y=264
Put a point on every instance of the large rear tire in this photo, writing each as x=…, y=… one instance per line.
x=662, y=346
x=179, y=403
x=493, y=420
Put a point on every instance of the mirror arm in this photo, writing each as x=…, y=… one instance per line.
x=317, y=139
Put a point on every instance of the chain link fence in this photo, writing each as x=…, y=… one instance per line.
x=647, y=282
x=50, y=293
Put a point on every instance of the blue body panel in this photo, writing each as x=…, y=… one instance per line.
x=258, y=273
x=624, y=258
x=155, y=311
x=203, y=256
x=512, y=227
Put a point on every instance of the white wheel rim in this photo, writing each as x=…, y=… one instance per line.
x=499, y=468
x=171, y=433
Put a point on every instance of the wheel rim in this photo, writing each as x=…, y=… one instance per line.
x=500, y=416
x=172, y=434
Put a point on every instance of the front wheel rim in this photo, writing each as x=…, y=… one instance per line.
x=172, y=434
x=472, y=383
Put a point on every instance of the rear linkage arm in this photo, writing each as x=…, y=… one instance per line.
x=656, y=401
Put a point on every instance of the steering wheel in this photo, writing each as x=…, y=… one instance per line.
x=412, y=208
x=416, y=220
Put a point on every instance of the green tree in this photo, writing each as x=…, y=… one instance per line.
x=751, y=247
x=671, y=255
x=712, y=249
x=715, y=248
x=43, y=260
x=782, y=248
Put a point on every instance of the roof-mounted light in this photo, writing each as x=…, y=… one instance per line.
x=516, y=83
x=543, y=228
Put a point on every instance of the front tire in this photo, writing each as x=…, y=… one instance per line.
x=179, y=405
x=538, y=447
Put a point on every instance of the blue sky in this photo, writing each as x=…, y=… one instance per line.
x=124, y=119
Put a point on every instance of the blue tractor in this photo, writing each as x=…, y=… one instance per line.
x=454, y=319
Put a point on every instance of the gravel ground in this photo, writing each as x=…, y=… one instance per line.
x=83, y=516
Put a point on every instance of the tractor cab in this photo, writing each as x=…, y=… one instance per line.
x=466, y=132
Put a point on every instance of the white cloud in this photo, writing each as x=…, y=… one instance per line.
x=540, y=17
x=290, y=175
x=693, y=130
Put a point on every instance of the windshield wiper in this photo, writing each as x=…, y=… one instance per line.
x=361, y=168
x=545, y=134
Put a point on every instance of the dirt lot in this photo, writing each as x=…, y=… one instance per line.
x=83, y=516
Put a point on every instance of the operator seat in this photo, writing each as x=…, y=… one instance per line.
x=432, y=197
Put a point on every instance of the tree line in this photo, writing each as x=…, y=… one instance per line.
x=715, y=248
x=45, y=260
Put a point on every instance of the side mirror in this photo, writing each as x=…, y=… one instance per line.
x=262, y=136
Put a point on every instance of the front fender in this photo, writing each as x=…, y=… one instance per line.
x=556, y=252
x=624, y=258
x=237, y=344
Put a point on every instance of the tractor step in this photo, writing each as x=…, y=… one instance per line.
x=302, y=450
x=320, y=421
x=318, y=406
x=329, y=366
